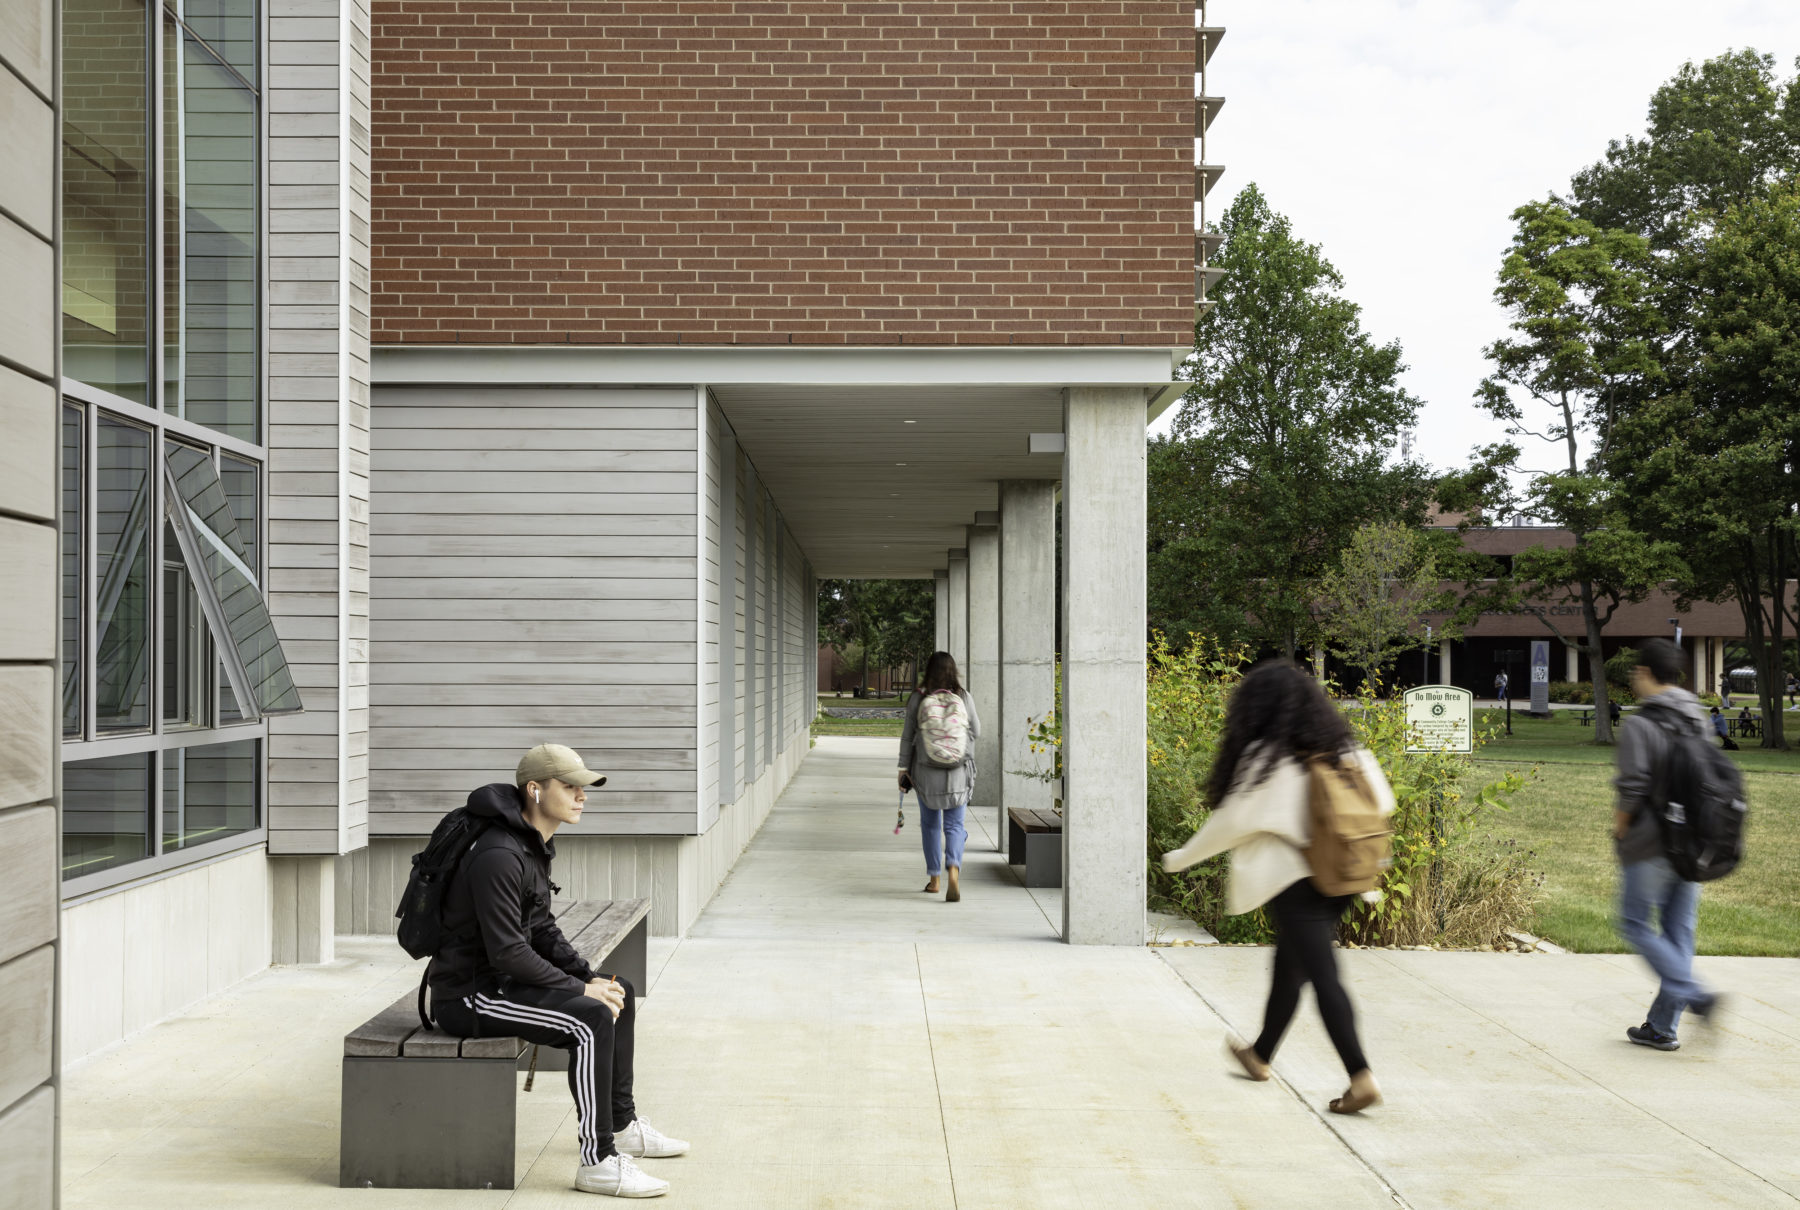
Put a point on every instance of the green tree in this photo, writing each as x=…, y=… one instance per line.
x=1718, y=464
x=1374, y=604
x=892, y=622
x=1584, y=331
x=1284, y=445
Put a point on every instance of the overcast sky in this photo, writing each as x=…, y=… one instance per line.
x=1400, y=134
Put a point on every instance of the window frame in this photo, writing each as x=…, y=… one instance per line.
x=90, y=400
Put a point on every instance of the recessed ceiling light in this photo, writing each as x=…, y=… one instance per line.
x=909, y=422
x=899, y=464
x=893, y=495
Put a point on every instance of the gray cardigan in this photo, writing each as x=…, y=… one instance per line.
x=937, y=788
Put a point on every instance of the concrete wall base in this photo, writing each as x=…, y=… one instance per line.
x=146, y=953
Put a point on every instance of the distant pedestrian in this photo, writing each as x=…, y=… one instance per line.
x=1648, y=883
x=1722, y=728
x=1500, y=684
x=937, y=762
x=1282, y=732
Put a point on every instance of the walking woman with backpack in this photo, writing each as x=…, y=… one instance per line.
x=1291, y=792
x=937, y=763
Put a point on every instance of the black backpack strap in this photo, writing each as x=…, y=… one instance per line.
x=424, y=1017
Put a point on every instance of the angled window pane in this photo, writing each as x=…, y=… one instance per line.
x=239, y=479
x=105, y=813
x=72, y=548
x=228, y=27
x=215, y=550
x=122, y=577
x=187, y=655
x=209, y=793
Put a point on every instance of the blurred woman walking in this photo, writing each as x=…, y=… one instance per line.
x=1282, y=732
x=937, y=762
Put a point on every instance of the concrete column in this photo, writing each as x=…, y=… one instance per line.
x=957, y=640
x=1571, y=662
x=943, y=610
x=304, y=889
x=1103, y=666
x=1700, y=663
x=1027, y=640
x=982, y=674
x=1444, y=669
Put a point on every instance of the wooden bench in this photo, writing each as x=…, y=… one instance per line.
x=425, y=1110
x=1034, y=840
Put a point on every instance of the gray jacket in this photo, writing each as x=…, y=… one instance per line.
x=939, y=789
x=1642, y=745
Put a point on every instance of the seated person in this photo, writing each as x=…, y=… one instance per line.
x=506, y=970
x=1722, y=729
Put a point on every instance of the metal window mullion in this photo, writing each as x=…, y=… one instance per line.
x=137, y=413
x=90, y=572
x=248, y=705
x=153, y=639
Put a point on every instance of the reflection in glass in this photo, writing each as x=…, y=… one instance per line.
x=122, y=576
x=218, y=246
x=105, y=813
x=209, y=793
x=186, y=654
x=229, y=27
x=106, y=195
x=238, y=478
x=214, y=548
x=70, y=524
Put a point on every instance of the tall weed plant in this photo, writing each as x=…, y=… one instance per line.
x=1449, y=884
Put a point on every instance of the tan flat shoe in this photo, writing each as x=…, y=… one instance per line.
x=1362, y=1093
x=1248, y=1059
x=931, y=888
x=954, y=894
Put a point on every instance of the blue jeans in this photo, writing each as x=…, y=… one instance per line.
x=1653, y=886
x=937, y=828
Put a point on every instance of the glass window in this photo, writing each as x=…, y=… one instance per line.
x=72, y=613
x=106, y=195
x=218, y=240
x=228, y=27
x=106, y=813
x=187, y=653
x=209, y=537
x=122, y=486
x=209, y=793
x=239, y=479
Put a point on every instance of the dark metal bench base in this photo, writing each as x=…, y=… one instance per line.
x=428, y=1124
x=1034, y=840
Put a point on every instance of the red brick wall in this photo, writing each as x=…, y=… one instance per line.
x=931, y=171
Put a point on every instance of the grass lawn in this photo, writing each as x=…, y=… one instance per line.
x=1564, y=814
x=858, y=726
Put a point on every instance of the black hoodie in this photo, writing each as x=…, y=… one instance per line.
x=497, y=923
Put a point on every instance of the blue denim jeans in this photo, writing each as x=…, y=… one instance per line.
x=938, y=829
x=1647, y=887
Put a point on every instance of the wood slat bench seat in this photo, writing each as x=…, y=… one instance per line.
x=423, y=1109
x=1034, y=840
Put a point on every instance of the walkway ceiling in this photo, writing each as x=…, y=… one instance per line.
x=868, y=494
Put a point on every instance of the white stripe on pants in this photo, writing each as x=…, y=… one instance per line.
x=581, y=1063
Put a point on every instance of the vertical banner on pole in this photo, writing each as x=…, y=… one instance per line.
x=1540, y=676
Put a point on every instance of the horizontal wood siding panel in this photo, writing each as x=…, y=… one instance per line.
x=534, y=580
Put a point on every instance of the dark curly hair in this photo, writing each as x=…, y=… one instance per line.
x=1278, y=705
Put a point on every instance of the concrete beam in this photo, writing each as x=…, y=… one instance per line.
x=1103, y=667
x=1027, y=639
x=982, y=674
x=958, y=639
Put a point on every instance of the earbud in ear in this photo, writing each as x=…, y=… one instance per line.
x=537, y=797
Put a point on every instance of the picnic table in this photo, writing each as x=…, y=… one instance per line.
x=1746, y=725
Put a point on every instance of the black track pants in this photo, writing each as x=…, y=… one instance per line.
x=1305, y=922
x=599, y=1048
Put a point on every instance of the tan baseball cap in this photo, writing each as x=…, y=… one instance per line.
x=548, y=761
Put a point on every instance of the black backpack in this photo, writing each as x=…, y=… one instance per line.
x=421, y=911
x=1699, y=803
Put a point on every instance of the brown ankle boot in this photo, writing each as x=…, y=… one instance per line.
x=954, y=894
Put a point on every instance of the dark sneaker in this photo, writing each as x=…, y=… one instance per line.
x=1643, y=1035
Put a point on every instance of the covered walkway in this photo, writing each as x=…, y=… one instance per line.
x=827, y=1036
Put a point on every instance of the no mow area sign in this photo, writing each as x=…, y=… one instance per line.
x=1440, y=718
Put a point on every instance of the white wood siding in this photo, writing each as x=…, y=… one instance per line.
x=318, y=410
x=537, y=579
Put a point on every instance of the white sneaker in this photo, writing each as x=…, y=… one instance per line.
x=647, y=1142
x=617, y=1176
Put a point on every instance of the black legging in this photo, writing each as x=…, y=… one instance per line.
x=1305, y=922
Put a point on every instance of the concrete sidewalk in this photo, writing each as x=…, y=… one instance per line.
x=828, y=1036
